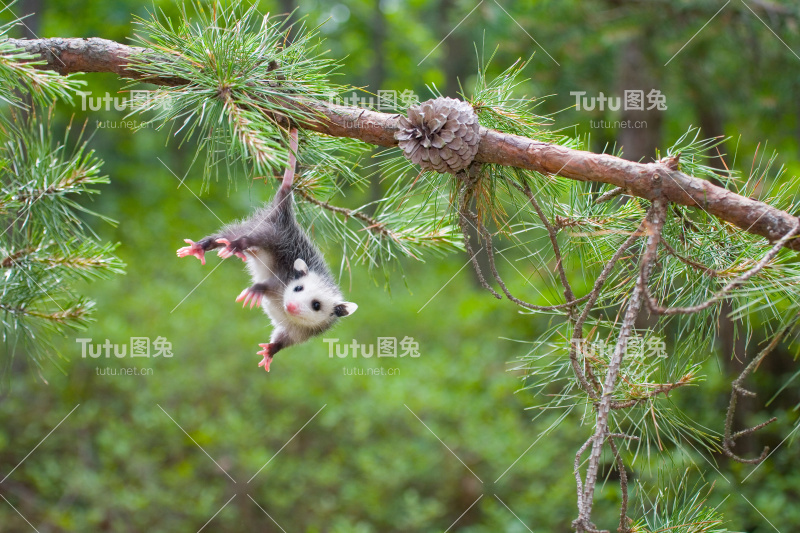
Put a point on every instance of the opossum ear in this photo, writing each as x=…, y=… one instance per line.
x=301, y=266
x=344, y=309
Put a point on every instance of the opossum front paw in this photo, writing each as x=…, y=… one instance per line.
x=230, y=249
x=193, y=249
x=254, y=296
x=268, y=353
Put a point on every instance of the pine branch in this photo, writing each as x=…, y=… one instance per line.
x=64, y=316
x=735, y=283
x=577, y=333
x=737, y=389
x=249, y=135
x=11, y=260
x=624, y=526
x=661, y=388
x=373, y=225
x=654, y=225
x=73, y=55
x=48, y=244
x=468, y=217
x=70, y=183
x=694, y=264
x=638, y=179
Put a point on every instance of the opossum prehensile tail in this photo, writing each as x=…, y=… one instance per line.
x=291, y=281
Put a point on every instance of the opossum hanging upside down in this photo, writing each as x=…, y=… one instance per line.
x=291, y=281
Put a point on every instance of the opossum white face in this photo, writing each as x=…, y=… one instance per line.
x=313, y=302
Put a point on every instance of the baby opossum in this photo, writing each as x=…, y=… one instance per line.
x=291, y=281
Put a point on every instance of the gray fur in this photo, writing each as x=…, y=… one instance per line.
x=274, y=229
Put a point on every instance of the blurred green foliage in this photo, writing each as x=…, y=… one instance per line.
x=365, y=462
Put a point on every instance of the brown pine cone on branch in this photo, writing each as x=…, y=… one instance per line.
x=441, y=134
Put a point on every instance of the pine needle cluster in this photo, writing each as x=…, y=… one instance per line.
x=46, y=245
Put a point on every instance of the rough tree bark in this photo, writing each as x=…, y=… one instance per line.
x=646, y=180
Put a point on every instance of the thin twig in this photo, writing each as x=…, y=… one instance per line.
x=737, y=389
x=560, y=223
x=492, y=265
x=465, y=216
x=654, y=307
x=654, y=225
x=624, y=436
x=490, y=254
x=372, y=224
x=60, y=317
x=623, y=485
x=577, y=470
x=577, y=333
x=608, y=195
x=568, y=294
x=692, y=263
x=663, y=388
x=12, y=260
x=463, y=211
x=620, y=467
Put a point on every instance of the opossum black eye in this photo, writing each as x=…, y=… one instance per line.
x=315, y=305
x=298, y=288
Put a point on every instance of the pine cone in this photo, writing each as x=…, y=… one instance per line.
x=441, y=134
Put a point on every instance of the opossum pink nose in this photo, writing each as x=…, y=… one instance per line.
x=293, y=308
